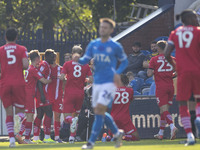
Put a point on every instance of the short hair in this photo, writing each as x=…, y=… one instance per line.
x=128, y=74
x=186, y=15
x=11, y=34
x=49, y=52
x=68, y=54
x=138, y=44
x=34, y=54
x=124, y=79
x=77, y=49
x=109, y=21
x=153, y=42
x=161, y=44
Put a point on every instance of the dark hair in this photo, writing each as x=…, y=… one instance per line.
x=138, y=44
x=68, y=54
x=162, y=44
x=153, y=42
x=34, y=54
x=124, y=79
x=11, y=34
x=49, y=55
x=77, y=49
x=129, y=73
x=186, y=15
x=109, y=21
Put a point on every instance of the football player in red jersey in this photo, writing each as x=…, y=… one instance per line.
x=74, y=90
x=163, y=73
x=13, y=59
x=186, y=41
x=56, y=94
x=43, y=103
x=120, y=110
x=32, y=75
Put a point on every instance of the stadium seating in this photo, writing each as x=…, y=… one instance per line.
x=145, y=91
x=152, y=90
x=136, y=93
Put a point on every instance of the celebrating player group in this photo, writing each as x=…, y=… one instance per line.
x=40, y=84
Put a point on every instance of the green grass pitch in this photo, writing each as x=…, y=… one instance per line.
x=139, y=145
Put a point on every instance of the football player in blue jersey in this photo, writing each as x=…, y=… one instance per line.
x=106, y=54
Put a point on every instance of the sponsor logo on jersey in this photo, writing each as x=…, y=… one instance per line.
x=102, y=58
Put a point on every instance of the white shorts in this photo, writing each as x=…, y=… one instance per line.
x=103, y=94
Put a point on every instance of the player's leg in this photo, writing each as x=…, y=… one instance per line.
x=47, y=124
x=6, y=98
x=37, y=124
x=57, y=126
x=18, y=137
x=184, y=91
x=197, y=120
x=28, y=128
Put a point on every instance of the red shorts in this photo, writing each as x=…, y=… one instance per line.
x=13, y=95
x=29, y=104
x=57, y=105
x=188, y=84
x=73, y=102
x=127, y=126
x=39, y=102
x=165, y=95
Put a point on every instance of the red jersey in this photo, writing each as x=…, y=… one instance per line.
x=11, y=56
x=55, y=87
x=32, y=75
x=120, y=106
x=163, y=71
x=186, y=40
x=76, y=75
x=46, y=72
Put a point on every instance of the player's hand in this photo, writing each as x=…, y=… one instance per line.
x=117, y=80
x=75, y=57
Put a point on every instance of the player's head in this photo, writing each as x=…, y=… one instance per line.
x=68, y=57
x=130, y=76
x=34, y=56
x=153, y=46
x=124, y=79
x=188, y=17
x=161, y=46
x=77, y=49
x=106, y=27
x=136, y=47
x=49, y=56
x=11, y=35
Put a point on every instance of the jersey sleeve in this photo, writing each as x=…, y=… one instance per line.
x=24, y=53
x=64, y=68
x=89, y=72
x=88, y=54
x=43, y=69
x=152, y=64
x=171, y=38
x=37, y=74
x=121, y=55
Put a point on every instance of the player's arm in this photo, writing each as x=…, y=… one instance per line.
x=25, y=63
x=62, y=76
x=150, y=72
x=45, y=81
x=90, y=79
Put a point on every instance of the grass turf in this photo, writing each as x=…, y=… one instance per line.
x=139, y=145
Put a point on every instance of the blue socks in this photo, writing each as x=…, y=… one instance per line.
x=110, y=123
x=96, y=128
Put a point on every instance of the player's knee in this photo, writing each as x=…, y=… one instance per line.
x=29, y=117
x=163, y=108
x=9, y=111
x=100, y=109
x=57, y=116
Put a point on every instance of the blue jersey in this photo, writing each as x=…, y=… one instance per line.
x=105, y=57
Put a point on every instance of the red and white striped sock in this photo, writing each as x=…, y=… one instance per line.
x=185, y=118
x=10, y=126
x=21, y=115
x=22, y=129
x=68, y=119
x=162, y=122
x=56, y=129
x=167, y=117
x=28, y=129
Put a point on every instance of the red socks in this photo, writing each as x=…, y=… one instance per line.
x=167, y=117
x=56, y=128
x=10, y=126
x=37, y=124
x=28, y=129
x=68, y=119
x=22, y=129
x=162, y=122
x=47, y=125
x=185, y=118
